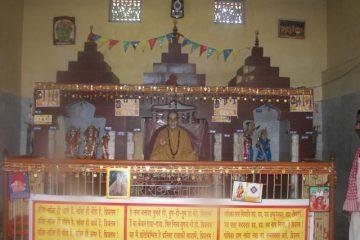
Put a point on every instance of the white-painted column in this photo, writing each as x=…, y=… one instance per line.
x=218, y=179
x=238, y=146
x=130, y=146
x=60, y=135
x=112, y=145
x=217, y=146
x=294, y=158
x=51, y=143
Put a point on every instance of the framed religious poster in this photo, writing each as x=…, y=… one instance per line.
x=118, y=183
x=301, y=103
x=319, y=198
x=64, y=30
x=247, y=191
x=47, y=98
x=291, y=29
x=224, y=107
x=126, y=107
x=19, y=186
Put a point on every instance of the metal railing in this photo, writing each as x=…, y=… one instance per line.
x=281, y=180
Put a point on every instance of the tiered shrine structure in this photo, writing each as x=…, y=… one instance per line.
x=80, y=135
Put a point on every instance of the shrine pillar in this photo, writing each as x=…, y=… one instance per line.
x=51, y=143
x=217, y=146
x=218, y=178
x=294, y=158
x=60, y=136
x=130, y=149
x=238, y=146
x=111, y=149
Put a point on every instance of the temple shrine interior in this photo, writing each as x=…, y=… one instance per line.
x=176, y=119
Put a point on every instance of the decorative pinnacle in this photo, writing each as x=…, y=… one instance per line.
x=175, y=29
x=256, y=38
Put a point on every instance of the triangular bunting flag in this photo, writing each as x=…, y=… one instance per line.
x=152, y=43
x=160, y=41
x=125, y=45
x=101, y=42
x=134, y=44
x=93, y=37
x=169, y=36
x=227, y=53
x=142, y=46
x=185, y=42
x=218, y=52
x=210, y=51
x=194, y=46
x=112, y=42
x=203, y=48
x=236, y=53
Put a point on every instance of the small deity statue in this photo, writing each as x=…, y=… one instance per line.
x=105, y=145
x=263, y=146
x=172, y=81
x=248, y=132
x=72, y=142
x=91, y=136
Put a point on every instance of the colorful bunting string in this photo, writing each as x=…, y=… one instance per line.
x=159, y=41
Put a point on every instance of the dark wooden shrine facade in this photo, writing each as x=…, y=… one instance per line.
x=90, y=79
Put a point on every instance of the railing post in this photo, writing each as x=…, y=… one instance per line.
x=238, y=146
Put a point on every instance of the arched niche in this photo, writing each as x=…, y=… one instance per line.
x=268, y=117
x=81, y=115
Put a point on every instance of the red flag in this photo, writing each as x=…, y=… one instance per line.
x=202, y=49
x=112, y=42
x=152, y=43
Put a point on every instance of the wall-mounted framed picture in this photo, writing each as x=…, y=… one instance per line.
x=64, y=30
x=319, y=198
x=247, y=191
x=19, y=186
x=291, y=29
x=118, y=183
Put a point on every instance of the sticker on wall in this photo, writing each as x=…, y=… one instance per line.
x=64, y=30
x=126, y=107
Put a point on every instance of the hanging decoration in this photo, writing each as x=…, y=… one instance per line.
x=112, y=43
x=227, y=53
x=202, y=49
x=70, y=92
x=177, y=9
x=125, y=45
x=152, y=42
x=135, y=44
x=159, y=41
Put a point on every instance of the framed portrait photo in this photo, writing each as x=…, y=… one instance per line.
x=64, y=30
x=291, y=29
x=118, y=183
